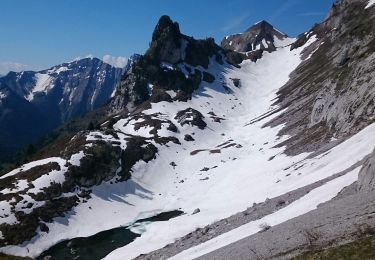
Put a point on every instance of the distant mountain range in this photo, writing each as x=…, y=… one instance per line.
x=34, y=102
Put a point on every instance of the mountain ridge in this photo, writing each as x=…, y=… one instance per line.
x=60, y=93
x=209, y=131
x=108, y=154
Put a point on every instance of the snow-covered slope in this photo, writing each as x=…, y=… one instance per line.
x=307, y=203
x=221, y=146
x=189, y=134
x=370, y=3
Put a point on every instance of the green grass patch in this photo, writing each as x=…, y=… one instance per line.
x=361, y=249
x=10, y=257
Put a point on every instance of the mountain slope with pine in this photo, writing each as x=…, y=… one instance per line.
x=49, y=98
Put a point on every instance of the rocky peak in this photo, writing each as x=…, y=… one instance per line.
x=260, y=36
x=166, y=42
x=160, y=67
x=174, y=62
x=165, y=29
x=262, y=26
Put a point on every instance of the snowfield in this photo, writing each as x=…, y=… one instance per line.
x=43, y=82
x=305, y=204
x=370, y=3
x=54, y=176
x=30, y=165
x=2, y=95
x=228, y=167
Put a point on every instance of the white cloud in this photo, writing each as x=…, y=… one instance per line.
x=235, y=23
x=88, y=56
x=118, y=62
x=312, y=14
x=6, y=66
x=286, y=6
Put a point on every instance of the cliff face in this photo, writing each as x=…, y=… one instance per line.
x=331, y=95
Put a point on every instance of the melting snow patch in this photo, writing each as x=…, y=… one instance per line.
x=6, y=214
x=2, y=95
x=57, y=70
x=76, y=158
x=166, y=65
x=149, y=88
x=172, y=93
x=264, y=43
x=46, y=180
x=370, y=3
x=43, y=84
x=20, y=186
x=128, y=127
x=30, y=165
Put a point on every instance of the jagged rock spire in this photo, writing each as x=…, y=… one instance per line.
x=166, y=28
x=166, y=42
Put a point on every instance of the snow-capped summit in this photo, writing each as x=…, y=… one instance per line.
x=60, y=93
x=260, y=36
x=69, y=89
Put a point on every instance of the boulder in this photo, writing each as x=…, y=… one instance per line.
x=191, y=116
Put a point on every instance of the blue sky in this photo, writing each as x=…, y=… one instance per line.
x=37, y=34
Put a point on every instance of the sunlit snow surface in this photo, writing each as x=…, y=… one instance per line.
x=237, y=177
x=42, y=83
x=54, y=176
x=370, y=3
x=305, y=204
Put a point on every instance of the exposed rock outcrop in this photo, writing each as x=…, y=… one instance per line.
x=332, y=93
x=174, y=62
x=366, y=177
x=191, y=116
